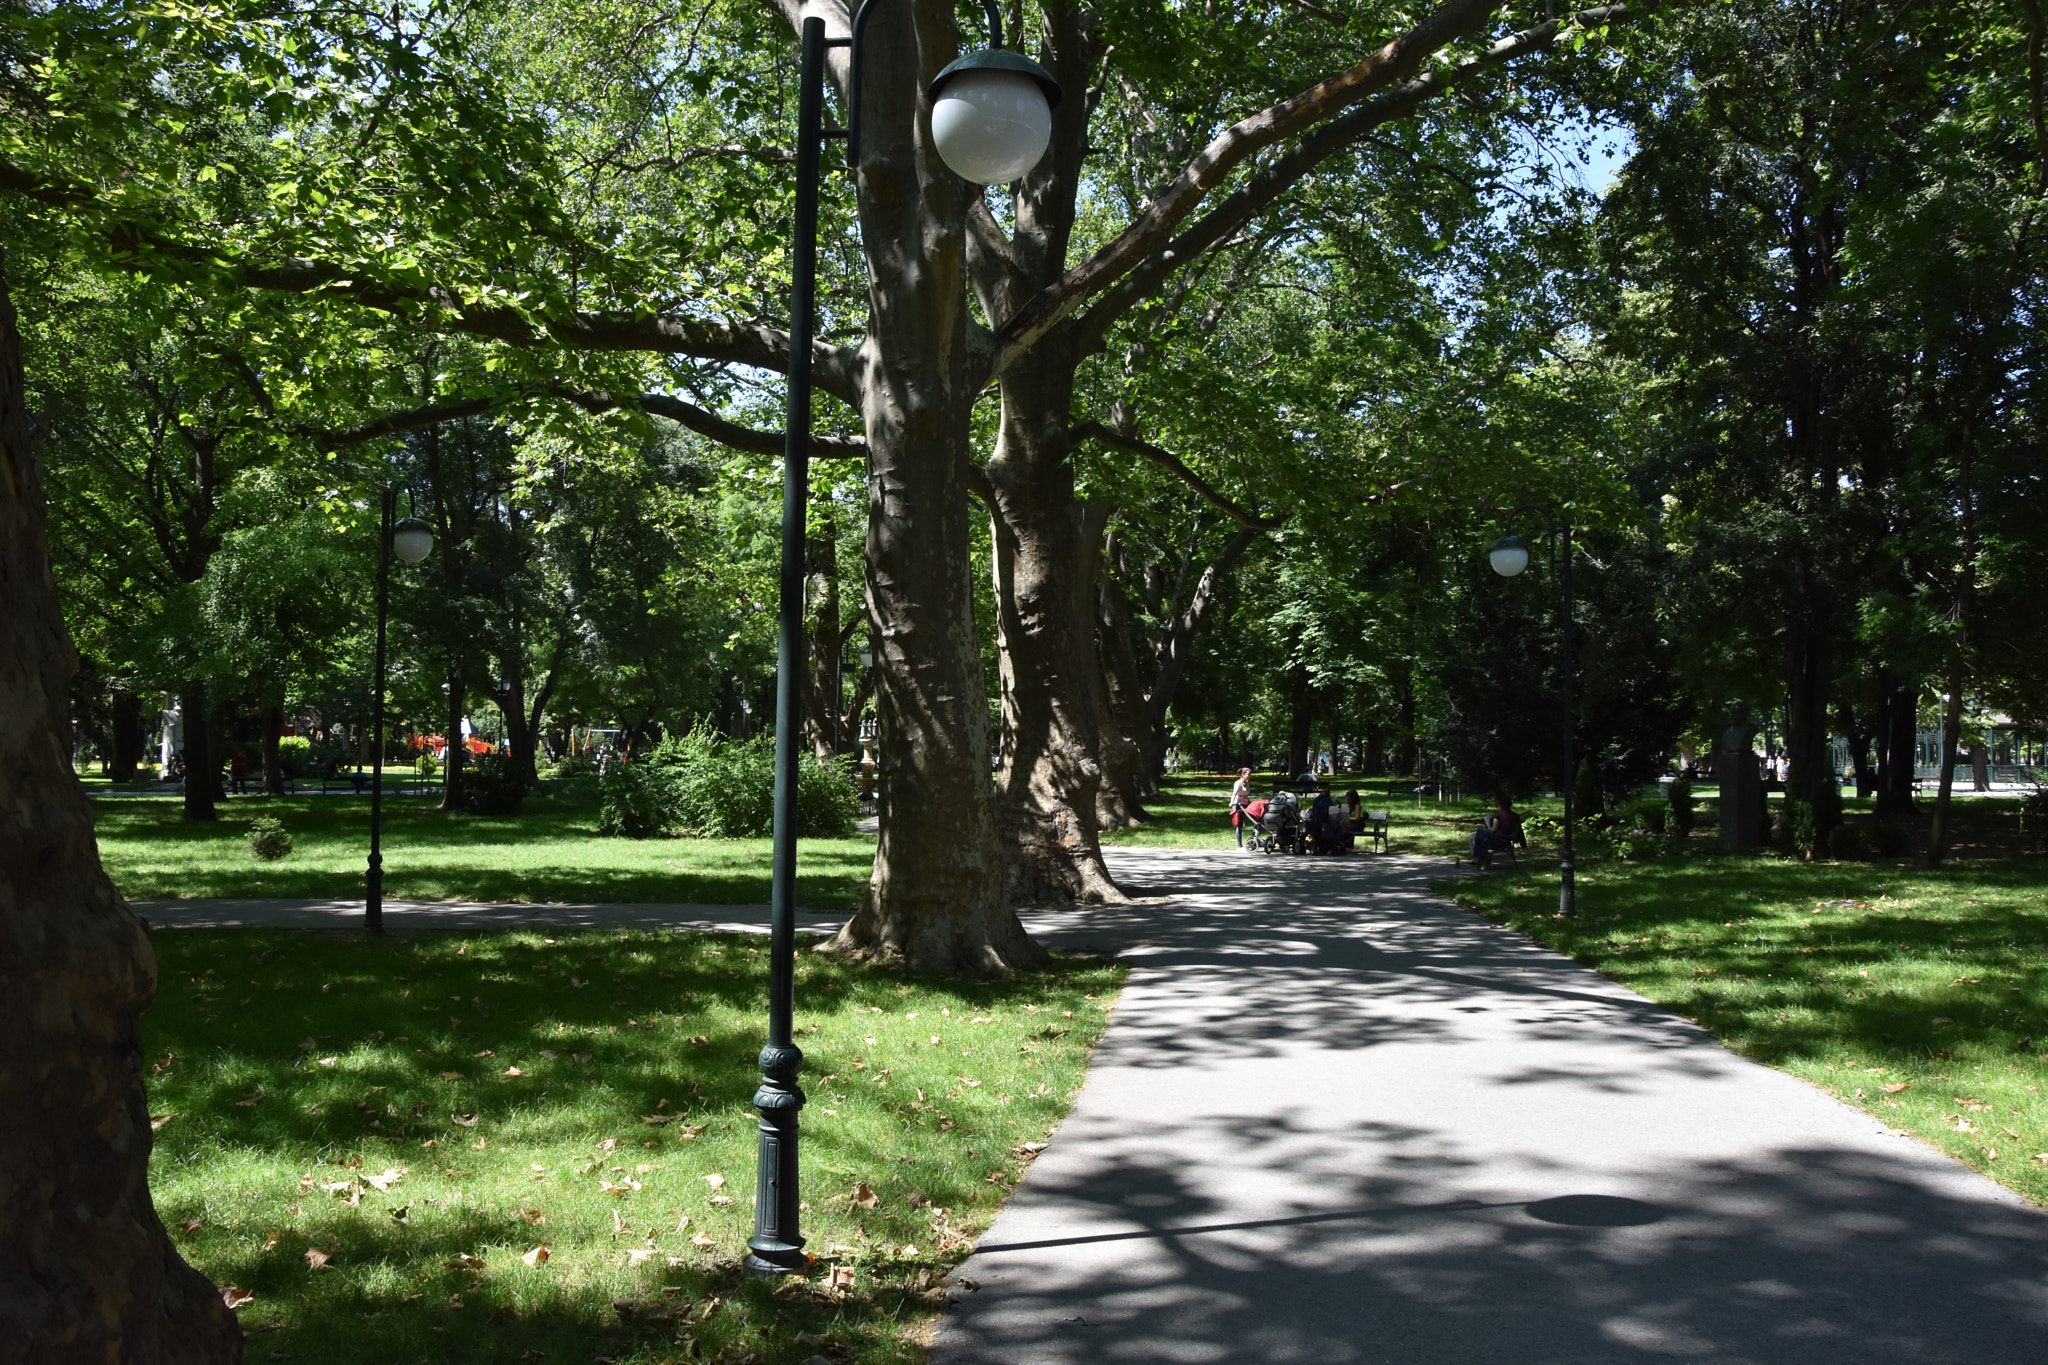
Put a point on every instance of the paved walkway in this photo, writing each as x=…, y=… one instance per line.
x=1339, y=1120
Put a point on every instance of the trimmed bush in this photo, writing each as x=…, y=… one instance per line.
x=1651, y=816
x=268, y=839
x=492, y=785
x=638, y=801
x=1684, y=810
x=295, y=755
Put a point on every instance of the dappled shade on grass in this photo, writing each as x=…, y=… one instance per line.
x=1919, y=996
x=373, y=1137
x=550, y=851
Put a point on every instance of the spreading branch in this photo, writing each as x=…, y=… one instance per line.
x=1251, y=521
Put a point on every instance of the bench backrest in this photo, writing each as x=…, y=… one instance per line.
x=1377, y=817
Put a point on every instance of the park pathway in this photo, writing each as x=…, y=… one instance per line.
x=1337, y=1119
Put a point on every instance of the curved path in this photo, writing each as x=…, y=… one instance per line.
x=1337, y=1119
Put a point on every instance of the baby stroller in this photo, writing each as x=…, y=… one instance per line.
x=1280, y=825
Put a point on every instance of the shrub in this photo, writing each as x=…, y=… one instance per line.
x=638, y=801
x=575, y=778
x=1853, y=842
x=426, y=765
x=295, y=755
x=1651, y=816
x=1684, y=811
x=723, y=789
x=327, y=758
x=1800, y=829
x=492, y=785
x=268, y=840
x=2034, y=818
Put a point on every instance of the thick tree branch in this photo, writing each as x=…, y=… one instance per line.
x=1203, y=488
x=1271, y=182
x=700, y=420
x=1392, y=64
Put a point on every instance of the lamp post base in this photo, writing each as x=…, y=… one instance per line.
x=1568, y=891
x=777, y=1248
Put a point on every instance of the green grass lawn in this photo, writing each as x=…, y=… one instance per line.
x=373, y=1137
x=1921, y=997
x=550, y=851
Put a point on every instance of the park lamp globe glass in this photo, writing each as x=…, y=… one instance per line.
x=992, y=115
x=1509, y=556
x=411, y=540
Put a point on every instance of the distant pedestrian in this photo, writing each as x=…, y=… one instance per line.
x=1240, y=797
x=238, y=774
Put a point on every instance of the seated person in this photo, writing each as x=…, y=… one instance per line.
x=1502, y=829
x=1354, y=812
x=1326, y=827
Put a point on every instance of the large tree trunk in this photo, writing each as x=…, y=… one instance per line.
x=273, y=762
x=457, y=752
x=1898, y=745
x=1300, y=716
x=1940, y=831
x=87, y=1272
x=1811, y=776
x=822, y=700
x=128, y=735
x=1045, y=543
x=935, y=897
x=202, y=770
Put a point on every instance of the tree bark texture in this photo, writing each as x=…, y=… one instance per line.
x=87, y=1272
x=273, y=762
x=457, y=752
x=202, y=767
x=935, y=898
x=128, y=734
x=1898, y=746
x=1044, y=555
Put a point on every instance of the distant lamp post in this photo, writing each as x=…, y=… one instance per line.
x=991, y=121
x=1510, y=556
x=410, y=540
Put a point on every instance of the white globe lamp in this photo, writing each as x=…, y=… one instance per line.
x=992, y=115
x=411, y=540
x=1509, y=556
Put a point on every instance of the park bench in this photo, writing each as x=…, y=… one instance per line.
x=1373, y=827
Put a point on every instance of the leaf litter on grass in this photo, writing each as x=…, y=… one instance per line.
x=457, y=1259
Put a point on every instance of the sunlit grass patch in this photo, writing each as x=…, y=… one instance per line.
x=373, y=1138
x=1921, y=997
x=550, y=851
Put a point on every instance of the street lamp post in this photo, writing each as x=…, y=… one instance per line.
x=1509, y=556
x=991, y=120
x=410, y=541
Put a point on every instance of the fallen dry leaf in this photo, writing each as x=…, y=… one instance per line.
x=535, y=1256
x=700, y=1038
x=1895, y=1087
x=192, y=1225
x=704, y=1240
x=534, y=1216
x=618, y=1187
x=841, y=1277
x=864, y=1196
x=383, y=1183
x=451, y=1075
x=512, y=1071
x=464, y=1120
x=715, y=1181
x=608, y=1145
x=686, y=1131
x=157, y=1121
x=464, y=1262
x=233, y=1297
x=639, y=1256
x=316, y=1259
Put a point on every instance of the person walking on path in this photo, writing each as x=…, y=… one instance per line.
x=1240, y=797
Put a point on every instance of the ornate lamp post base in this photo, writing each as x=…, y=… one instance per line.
x=777, y=1248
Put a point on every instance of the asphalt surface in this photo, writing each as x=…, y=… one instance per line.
x=1337, y=1119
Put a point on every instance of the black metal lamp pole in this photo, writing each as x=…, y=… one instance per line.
x=1510, y=556
x=776, y=1246
x=410, y=541
x=373, y=895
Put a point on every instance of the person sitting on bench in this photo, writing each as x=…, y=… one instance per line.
x=1502, y=829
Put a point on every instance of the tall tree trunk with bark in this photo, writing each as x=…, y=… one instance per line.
x=1898, y=747
x=202, y=768
x=935, y=898
x=1044, y=550
x=457, y=752
x=128, y=734
x=87, y=1272
x=273, y=762
x=1300, y=715
x=1809, y=675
